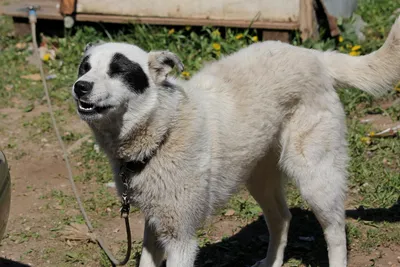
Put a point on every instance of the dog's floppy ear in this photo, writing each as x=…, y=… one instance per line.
x=161, y=63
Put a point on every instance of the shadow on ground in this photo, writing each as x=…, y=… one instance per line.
x=10, y=263
x=250, y=244
x=391, y=214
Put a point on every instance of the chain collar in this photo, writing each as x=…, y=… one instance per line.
x=126, y=173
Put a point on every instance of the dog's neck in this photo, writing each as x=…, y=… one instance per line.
x=130, y=140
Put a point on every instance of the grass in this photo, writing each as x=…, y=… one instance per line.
x=374, y=170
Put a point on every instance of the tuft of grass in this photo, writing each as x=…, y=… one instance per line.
x=245, y=207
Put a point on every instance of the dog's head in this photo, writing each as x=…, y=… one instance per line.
x=116, y=77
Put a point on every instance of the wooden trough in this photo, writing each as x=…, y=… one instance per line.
x=275, y=18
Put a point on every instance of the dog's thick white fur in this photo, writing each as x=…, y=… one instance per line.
x=266, y=111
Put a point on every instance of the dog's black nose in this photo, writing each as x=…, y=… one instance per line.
x=82, y=88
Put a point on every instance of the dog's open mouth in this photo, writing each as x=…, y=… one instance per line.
x=89, y=108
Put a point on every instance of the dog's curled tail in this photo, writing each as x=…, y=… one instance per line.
x=375, y=73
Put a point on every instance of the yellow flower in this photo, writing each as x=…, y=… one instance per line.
x=185, y=74
x=340, y=39
x=354, y=53
x=397, y=87
x=171, y=31
x=46, y=57
x=188, y=28
x=216, y=33
x=371, y=134
x=366, y=140
x=254, y=38
x=216, y=46
x=239, y=36
x=356, y=48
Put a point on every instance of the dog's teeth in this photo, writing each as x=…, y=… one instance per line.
x=86, y=109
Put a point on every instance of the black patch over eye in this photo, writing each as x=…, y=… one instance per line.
x=84, y=67
x=130, y=72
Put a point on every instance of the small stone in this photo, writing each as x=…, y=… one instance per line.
x=96, y=148
x=20, y=46
x=307, y=238
x=110, y=185
x=229, y=212
x=9, y=87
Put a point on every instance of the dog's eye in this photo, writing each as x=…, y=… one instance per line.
x=118, y=69
x=84, y=67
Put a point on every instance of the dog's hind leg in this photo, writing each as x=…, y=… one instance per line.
x=152, y=251
x=314, y=154
x=266, y=187
x=181, y=253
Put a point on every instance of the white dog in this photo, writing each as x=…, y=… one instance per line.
x=266, y=111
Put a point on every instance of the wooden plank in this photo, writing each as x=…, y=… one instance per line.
x=48, y=9
x=282, y=36
x=262, y=10
x=307, y=19
x=67, y=7
x=188, y=21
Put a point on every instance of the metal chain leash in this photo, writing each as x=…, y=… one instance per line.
x=125, y=203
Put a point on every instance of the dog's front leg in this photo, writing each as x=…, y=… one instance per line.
x=152, y=252
x=181, y=253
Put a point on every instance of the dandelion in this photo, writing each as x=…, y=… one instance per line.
x=185, y=74
x=254, y=38
x=171, y=31
x=356, y=48
x=216, y=33
x=354, y=53
x=216, y=46
x=239, y=36
x=366, y=140
x=46, y=57
x=340, y=39
x=371, y=134
x=397, y=88
x=188, y=28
